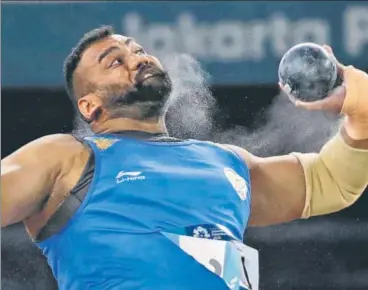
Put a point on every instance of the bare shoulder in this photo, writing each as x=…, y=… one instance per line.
x=49, y=148
x=47, y=166
x=55, y=153
x=55, y=142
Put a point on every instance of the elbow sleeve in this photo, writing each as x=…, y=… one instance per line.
x=335, y=178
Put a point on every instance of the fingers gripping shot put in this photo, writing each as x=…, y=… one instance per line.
x=130, y=207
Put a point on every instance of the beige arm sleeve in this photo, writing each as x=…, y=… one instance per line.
x=335, y=178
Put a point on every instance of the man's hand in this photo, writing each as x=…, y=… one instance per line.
x=350, y=99
x=334, y=102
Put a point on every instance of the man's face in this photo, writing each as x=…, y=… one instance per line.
x=129, y=82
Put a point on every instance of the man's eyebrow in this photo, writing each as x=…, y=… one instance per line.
x=107, y=52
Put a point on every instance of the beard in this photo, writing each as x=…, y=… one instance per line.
x=148, y=99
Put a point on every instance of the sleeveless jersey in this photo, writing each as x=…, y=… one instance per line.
x=157, y=215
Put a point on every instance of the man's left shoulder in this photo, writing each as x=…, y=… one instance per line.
x=247, y=157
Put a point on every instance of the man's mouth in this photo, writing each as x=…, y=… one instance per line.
x=148, y=73
x=151, y=75
x=147, y=76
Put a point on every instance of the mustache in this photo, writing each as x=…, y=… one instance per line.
x=148, y=71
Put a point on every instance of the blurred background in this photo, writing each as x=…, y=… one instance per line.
x=223, y=58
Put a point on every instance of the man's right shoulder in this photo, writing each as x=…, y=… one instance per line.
x=56, y=141
x=54, y=147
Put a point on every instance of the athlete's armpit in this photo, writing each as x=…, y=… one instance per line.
x=28, y=175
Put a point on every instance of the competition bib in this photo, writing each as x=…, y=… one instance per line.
x=215, y=248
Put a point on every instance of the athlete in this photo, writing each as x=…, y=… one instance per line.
x=131, y=208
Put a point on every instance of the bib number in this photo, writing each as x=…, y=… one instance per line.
x=234, y=262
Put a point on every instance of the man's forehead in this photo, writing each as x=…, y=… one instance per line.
x=117, y=39
x=120, y=38
x=95, y=49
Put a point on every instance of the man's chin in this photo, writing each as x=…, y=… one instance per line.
x=155, y=87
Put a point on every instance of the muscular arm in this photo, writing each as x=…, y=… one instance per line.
x=278, y=188
x=279, y=185
x=29, y=175
x=303, y=185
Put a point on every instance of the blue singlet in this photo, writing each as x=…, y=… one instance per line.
x=158, y=215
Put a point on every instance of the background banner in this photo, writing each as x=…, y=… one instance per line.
x=237, y=42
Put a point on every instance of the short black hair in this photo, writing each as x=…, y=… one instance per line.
x=72, y=60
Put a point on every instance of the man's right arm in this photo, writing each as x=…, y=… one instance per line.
x=28, y=176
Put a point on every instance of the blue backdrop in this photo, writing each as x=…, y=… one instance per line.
x=237, y=42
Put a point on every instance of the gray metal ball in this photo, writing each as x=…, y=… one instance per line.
x=308, y=72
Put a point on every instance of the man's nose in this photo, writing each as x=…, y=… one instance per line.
x=138, y=63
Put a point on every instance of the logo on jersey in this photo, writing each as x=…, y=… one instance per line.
x=126, y=176
x=238, y=182
x=104, y=143
x=201, y=232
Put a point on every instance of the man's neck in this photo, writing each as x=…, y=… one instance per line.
x=125, y=124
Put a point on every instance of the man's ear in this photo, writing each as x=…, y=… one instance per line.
x=89, y=106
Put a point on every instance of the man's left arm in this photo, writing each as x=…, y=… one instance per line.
x=294, y=186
